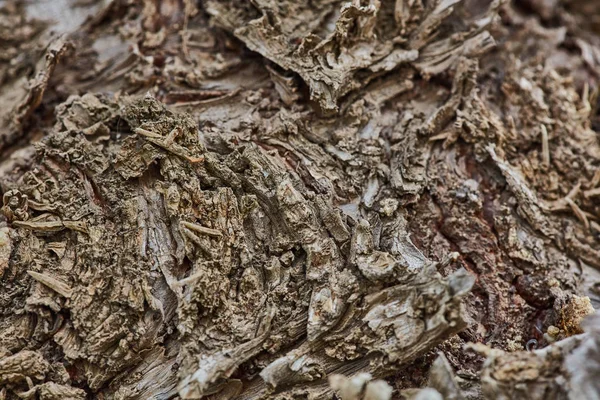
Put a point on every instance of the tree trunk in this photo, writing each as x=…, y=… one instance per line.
x=296, y=199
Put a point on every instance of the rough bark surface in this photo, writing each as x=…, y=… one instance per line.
x=274, y=199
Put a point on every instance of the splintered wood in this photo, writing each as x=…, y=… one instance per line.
x=366, y=199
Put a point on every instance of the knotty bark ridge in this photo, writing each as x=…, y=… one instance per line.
x=366, y=199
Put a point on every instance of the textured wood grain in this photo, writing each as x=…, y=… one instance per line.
x=298, y=199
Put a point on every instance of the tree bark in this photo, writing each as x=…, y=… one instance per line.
x=297, y=199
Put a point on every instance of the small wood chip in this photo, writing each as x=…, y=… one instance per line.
x=578, y=212
x=59, y=287
x=202, y=229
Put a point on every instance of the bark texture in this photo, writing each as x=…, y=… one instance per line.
x=274, y=199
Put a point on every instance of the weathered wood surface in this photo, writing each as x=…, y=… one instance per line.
x=232, y=199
